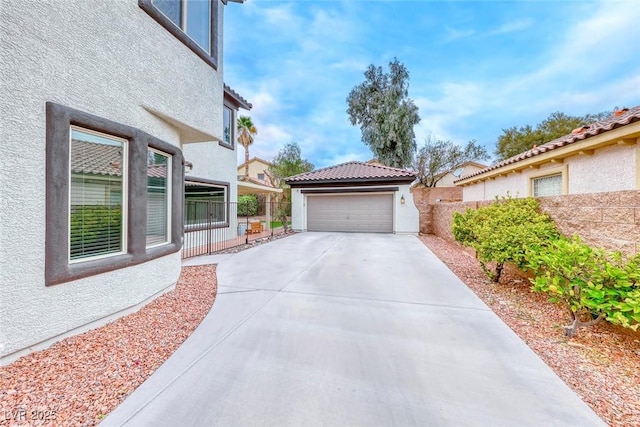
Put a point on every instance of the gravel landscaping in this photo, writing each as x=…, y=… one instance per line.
x=601, y=364
x=80, y=379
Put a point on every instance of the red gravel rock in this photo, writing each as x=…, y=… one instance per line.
x=601, y=363
x=80, y=379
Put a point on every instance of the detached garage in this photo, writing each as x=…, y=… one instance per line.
x=354, y=197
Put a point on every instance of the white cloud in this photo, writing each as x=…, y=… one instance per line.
x=512, y=26
x=348, y=157
x=455, y=34
x=305, y=56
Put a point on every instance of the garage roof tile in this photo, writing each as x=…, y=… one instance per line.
x=353, y=171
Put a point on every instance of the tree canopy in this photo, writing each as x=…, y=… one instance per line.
x=288, y=162
x=385, y=113
x=515, y=140
x=435, y=158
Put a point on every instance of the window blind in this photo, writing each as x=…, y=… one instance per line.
x=158, y=180
x=97, y=166
x=547, y=186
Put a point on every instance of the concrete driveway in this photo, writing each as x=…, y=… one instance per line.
x=328, y=329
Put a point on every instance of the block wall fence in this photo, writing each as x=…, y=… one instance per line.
x=608, y=220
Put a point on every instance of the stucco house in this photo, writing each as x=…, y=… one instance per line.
x=208, y=192
x=102, y=103
x=258, y=169
x=448, y=179
x=600, y=157
x=354, y=197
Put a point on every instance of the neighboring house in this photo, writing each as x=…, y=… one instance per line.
x=601, y=157
x=258, y=170
x=448, y=178
x=354, y=197
x=258, y=183
x=100, y=101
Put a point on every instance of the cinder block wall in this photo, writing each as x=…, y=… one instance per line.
x=608, y=220
x=426, y=198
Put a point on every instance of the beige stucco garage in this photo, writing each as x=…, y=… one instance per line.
x=354, y=197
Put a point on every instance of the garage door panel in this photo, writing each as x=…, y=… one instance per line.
x=351, y=213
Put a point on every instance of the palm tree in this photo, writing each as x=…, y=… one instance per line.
x=246, y=131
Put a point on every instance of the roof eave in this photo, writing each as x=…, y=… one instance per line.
x=624, y=135
x=354, y=181
x=237, y=98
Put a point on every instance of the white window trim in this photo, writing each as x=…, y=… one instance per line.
x=169, y=196
x=125, y=192
x=560, y=170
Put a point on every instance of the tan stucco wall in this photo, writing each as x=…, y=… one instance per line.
x=612, y=168
x=449, y=178
x=255, y=167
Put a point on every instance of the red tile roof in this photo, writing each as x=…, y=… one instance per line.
x=100, y=159
x=620, y=118
x=353, y=172
x=237, y=97
x=97, y=159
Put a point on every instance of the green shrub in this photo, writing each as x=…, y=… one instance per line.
x=592, y=283
x=95, y=229
x=247, y=205
x=503, y=231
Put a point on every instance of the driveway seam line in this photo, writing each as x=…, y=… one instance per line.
x=225, y=336
x=386, y=300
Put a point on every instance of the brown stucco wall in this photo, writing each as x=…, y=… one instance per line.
x=608, y=220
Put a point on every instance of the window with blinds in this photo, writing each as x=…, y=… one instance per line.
x=97, y=202
x=158, y=197
x=550, y=185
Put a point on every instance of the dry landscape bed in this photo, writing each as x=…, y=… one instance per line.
x=80, y=379
x=601, y=364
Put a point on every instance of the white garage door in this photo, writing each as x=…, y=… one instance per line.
x=363, y=213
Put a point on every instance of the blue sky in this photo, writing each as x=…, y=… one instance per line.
x=475, y=67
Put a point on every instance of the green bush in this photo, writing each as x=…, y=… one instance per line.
x=247, y=205
x=95, y=229
x=592, y=283
x=503, y=231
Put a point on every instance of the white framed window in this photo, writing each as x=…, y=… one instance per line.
x=98, y=166
x=549, y=182
x=158, y=197
x=550, y=185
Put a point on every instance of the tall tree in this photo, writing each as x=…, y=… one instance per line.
x=246, y=132
x=286, y=163
x=435, y=158
x=385, y=113
x=515, y=140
